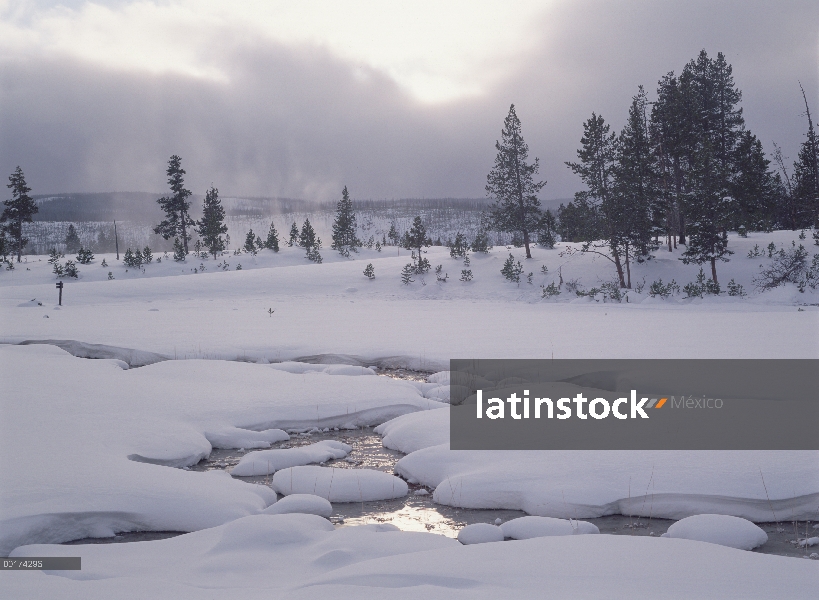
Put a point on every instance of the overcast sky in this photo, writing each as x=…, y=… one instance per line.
x=393, y=99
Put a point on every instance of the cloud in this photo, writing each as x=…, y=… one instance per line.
x=255, y=114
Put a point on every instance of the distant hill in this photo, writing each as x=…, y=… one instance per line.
x=142, y=207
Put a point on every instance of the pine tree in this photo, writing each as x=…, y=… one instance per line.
x=754, y=187
x=250, y=242
x=597, y=212
x=85, y=256
x=806, y=174
x=547, y=230
x=344, y=227
x=294, y=235
x=369, y=271
x=416, y=239
x=512, y=270
x=179, y=253
x=393, y=236
x=18, y=210
x=511, y=183
x=307, y=237
x=72, y=240
x=272, y=241
x=176, y=206
x=406, y=274
x=212, y=224
x=636, y=214
x=459, y=247
x=147, y=255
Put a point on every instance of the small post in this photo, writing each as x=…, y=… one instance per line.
x=60, y=287
x=116, y=239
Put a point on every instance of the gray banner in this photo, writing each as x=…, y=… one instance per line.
x=634, y=404
x=41, y=563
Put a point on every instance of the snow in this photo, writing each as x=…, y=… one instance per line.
x=86, y=446
x=414, y=431
x=339, y=485
x=588, y=484
x=480, y=533
x=524, y=528
x=234, y=437
x=724, y=530
x=301, y=503
x=269, y=461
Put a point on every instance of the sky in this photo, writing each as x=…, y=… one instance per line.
x=392, y=99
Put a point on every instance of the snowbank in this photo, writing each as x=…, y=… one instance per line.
x=269, y=461
x=339, y=485
x=724, y=530
x=480, y=533
x=524, y=528
x=87, y=446
x=301, y=503
x=414, y=431
x=588, y=484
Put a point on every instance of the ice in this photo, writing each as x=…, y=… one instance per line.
x=339, y=485
x=524, y=528
x=480, y=533
x=339, y=369
x=269, y=461
x=724, y=530
x=301, y=503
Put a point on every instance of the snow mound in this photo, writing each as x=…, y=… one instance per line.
x=439, y=393
x=234, y=437
x=339, y=485
x=301, y=503
x=524, y=528
x=134, y=358
x=265, y=462
x=417, y=430
x=441, y=377
x=724, y=530
x=480, y=533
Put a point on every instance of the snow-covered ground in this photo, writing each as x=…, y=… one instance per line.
x=90, y=447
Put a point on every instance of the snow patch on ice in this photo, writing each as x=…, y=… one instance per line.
x=724, y=530
x=524, y=528
x=339, y=485
x=265, y=462
x=235, y=437
x=480, y=533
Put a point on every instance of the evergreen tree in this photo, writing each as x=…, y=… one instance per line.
x=212, y=224
x=637, y=214
x=85, y=256
x=307, y=237
x=754, y=187
x=272, y=241
x=459, y=247
x=344, y=226
x=511, y=183
x=72, y=240
x=547, y=230
x=806, y=174
x=179, y=253
x=512, y=270
x=147, y=255
x=176, y=206
x=481, y=242
x=416, y=239
x=598, y=212
x=18, y=210
x=393, y=236
x=406, y=274
x=369, y=271
x=294, y=235
x=250, y=242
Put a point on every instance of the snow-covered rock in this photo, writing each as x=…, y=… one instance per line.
x=527, y=527
x=301, y=503
x=724, y=530
x=480, y=533
x=339, y=485
x=264, y=462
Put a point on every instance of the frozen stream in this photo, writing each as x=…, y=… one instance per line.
x=419, y=512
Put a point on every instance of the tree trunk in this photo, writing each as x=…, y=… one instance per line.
x=619, y=265
x=526, y=242
x=628, y=269
x=714, y=269
x=183, y=214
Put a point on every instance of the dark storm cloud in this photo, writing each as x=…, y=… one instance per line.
x=298, y=122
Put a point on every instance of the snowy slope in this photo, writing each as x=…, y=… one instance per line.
x=300, y=556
